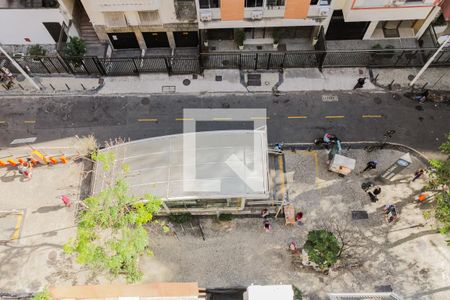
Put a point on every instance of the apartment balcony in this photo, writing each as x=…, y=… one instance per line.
x=18, y=4
x=376, y=10
x=270, y=16
x=361, y=4
x=185, y=10
x=128, y=5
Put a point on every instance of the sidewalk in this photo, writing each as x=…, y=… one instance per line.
x=434, y=78
x=235, y=81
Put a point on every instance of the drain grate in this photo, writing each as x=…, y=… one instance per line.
x=383, y=288
x=218, y=78
x=359, y=215
x=168, y=89
x=253, y=79
x=330, y=98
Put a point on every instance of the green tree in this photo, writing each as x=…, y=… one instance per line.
x=42, y=295
x=323, y=248
x=75, y=50
x=439, y=181
x=111, y=235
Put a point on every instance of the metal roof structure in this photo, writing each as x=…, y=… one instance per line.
x=364, y=296
x=201, y=165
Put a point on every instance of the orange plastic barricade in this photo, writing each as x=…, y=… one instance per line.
x=36, y=155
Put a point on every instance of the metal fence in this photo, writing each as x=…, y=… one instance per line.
x=244, y=60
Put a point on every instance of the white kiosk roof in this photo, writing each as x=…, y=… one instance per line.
x=227, y=164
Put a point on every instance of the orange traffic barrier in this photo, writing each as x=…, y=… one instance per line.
x=53, y=160
x=63, y=159
x=21, y=161
x=3, y=164
x=12, y=162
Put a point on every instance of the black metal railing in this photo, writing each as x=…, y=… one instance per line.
x=244, y=60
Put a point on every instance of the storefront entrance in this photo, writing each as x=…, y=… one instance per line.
x=156, y=39
x=124, y=40
x=186, y=38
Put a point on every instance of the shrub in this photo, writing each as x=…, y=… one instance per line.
x=180, y=218
x=36, y=50
x=75, y=47
x=323, y=248
x=239, y=36
x=225, y=217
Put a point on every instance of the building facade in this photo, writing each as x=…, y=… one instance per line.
x=380, y=19
x=144, y=24
x=264, y=22
x=26, y=23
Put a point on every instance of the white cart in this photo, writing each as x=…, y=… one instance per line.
x=342, y=165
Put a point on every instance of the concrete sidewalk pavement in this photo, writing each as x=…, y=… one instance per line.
x=235, y=81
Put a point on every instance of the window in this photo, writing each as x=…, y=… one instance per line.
x=253, y=3
x=149, y=17
x=209, y=3
x=320, y=2
x=275, y=3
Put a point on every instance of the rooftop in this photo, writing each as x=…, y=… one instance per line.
x=220, y=165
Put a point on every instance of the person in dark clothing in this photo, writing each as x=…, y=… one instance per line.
x=370, y=165
x=373, y=193
x=360, y=83
x=418, y=174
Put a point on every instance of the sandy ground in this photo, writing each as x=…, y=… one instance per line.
x=408, y=256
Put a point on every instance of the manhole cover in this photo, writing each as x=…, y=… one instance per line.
x=186, y=82
x=145, y=101
x=396, y=96
x=359, y=215
x=377, y=100
x=421, y=119
x=20, y=78
x=50, y=108
x=410, y=77
x=419, y=107
x=383, y=288
x=218, y=78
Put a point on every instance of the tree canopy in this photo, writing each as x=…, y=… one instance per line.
x=322, y=247
x=111, y=234
x=439, y=181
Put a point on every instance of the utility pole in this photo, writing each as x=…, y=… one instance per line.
x=425, y=67
x=18, y=67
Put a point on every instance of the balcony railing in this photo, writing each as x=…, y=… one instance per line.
x=128, y=5
x=361, y=4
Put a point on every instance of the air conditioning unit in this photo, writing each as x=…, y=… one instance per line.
x=323, y=11
x=257, y=15
x=205, y=16
x=399, y=2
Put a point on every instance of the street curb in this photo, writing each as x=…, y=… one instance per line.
x=360, y=145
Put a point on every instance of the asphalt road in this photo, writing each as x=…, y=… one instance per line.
x=296, y=117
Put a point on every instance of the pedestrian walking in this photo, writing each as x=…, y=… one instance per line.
x=25, y=168
x=371, y=165
x=298, y=218
x=418, y=174
x=360, y=83
x=267, y=226
x=66, y=200
x=373, y=193
x=264, y=213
